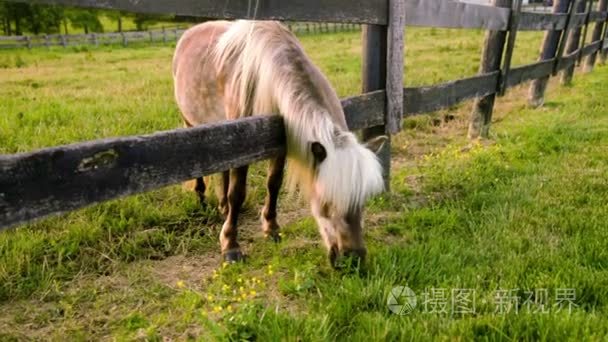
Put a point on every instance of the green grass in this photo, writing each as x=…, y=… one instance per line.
x=524, y=211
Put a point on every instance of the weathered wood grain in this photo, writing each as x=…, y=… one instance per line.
x=452, y=14
x=567, y=61
x=572, y=9
x=432, y=98
x=531, y=21
x=395, y=60
x=358, y=11
x=573, y=44
x=596, y=36
x=373, y=69
x=530, y=72
x=64, y=178
x=590, y=48
x=481, y=115
x=365, y=110
x=585, y=27
x=513, y=27
x=579, y=19
x=599, y=15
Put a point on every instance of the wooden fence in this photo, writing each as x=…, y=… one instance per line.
x=163, y=35
x=64, y=178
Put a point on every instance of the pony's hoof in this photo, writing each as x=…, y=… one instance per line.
x=271, y=230
x=233, y=255
x=275, y=236
x=223, y=209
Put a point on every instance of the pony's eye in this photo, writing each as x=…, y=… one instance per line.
x=318, y=151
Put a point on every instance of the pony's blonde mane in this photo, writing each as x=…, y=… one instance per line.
x=266, y=71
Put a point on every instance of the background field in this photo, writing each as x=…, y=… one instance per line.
x=524, y=211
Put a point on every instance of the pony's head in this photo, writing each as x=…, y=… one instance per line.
x=346, y=173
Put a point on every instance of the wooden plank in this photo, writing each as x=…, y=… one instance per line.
x=513, y=27
x=452, y=14
x=590, y=48
x=432, y=98
x=531, y=21
x=358, y=11
x=65, y=178
x=579, y=19
x=567, y=61
x=13, y=38
x=395, y=60
x=596, y=16
x=530, y=72
x=365, y=110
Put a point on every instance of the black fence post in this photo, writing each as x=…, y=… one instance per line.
x=536, y=94
x=574, y=40
x=583, y=39
x=595, y=36
x=481, y=115
x=604, y=46
x=513, y=26
x=374, y=78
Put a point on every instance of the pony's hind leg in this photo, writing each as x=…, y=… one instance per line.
x=222, y=182
x=199, y=188
x=236, y=196
x=273, y=184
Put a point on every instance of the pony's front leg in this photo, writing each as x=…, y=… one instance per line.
x=273, y=185
x=236, y=196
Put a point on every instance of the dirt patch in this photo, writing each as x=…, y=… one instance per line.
x=174, y=270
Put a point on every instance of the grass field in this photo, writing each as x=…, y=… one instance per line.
x=523, y=214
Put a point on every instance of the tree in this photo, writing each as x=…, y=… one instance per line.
x=4, y=19
x=87, y=20
x=30, y=17
x=143, y=21
x=44, y=18
x=16, y=12
x=118, y=17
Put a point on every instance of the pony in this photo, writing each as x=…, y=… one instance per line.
x=228, y=70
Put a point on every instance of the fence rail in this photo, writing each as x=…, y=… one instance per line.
x=163, y=35
x=59, y=179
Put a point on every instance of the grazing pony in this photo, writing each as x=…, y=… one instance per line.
x=228, y=70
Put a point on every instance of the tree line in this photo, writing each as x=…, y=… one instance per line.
x=20, y=18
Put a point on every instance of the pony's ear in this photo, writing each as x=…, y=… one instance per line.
x=318, y=151
x=376, y=144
